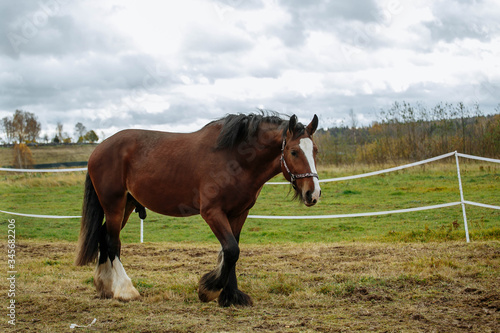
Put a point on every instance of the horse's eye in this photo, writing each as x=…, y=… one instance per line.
x=294, y=153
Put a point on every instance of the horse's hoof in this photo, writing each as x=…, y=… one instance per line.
x=127, y=294
x=104, y=294
x=206, y=295
x=207, y=290
x=234, y=297
x=111, y=281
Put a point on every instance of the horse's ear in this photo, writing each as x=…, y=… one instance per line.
x=292, y=124
x=311, y=128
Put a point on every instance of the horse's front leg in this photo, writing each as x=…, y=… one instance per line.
x=222, y=279
x=230, y=293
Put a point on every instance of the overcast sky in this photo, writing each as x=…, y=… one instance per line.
x=175, y=65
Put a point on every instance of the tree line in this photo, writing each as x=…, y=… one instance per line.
x=406, y=132
x=24, y=127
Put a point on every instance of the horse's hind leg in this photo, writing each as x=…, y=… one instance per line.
x=131, y=206
x=110, y=277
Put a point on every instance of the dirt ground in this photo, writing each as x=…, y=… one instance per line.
x=340, y=287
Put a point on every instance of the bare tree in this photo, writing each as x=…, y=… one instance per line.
x=23, y=126
x=8, y=128
x=353, y=118
x=354, y=125
x=80, y=132
x=59, y=132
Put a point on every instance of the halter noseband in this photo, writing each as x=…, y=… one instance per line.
x=294, y=177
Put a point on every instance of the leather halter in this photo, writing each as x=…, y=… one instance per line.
x=294, y=177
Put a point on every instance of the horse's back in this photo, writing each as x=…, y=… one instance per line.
x=153, y=166
x=137, y=146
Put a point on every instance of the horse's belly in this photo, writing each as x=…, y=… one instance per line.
x=181, y=203
x=171, y=203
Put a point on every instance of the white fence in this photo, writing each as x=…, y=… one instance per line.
x=462, y=201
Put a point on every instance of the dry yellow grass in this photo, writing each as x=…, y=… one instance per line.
x=51, y=154
x=341, y=287
x=45, y=180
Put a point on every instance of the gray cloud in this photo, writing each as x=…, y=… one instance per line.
x=70, y=62
x=464, y=19
x=200, y=39
x=325, y=13
x=323, y=16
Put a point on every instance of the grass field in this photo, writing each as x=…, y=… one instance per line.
x=409, y=272
x=61, y=194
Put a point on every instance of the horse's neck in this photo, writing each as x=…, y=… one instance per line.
x=266, y=163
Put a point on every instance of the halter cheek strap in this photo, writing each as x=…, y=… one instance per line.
x=294, y=177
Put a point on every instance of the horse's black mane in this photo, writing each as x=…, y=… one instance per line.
x=237, y=128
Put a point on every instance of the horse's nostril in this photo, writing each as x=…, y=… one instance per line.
x=320, y=193
x=314, y=201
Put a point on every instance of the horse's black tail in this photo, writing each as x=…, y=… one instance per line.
x=92, y=216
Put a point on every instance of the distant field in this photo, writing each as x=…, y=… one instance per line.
x=51, y=154
x=61, y=194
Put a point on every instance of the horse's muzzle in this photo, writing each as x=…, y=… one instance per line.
x=311, y=198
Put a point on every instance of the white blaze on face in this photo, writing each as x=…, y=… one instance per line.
x=307, y=147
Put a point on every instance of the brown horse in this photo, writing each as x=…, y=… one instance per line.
x=217, y=172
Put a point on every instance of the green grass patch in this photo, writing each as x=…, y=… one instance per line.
x=61, y=194
x=347, y=192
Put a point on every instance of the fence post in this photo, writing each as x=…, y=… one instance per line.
x=462, y=199
x=142, y=231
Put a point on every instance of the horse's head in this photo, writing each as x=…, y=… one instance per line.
x=298, y=160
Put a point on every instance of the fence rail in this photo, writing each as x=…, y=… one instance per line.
x=43, y=170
